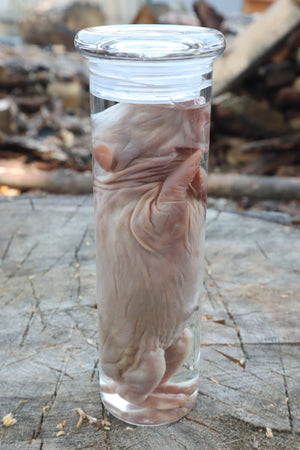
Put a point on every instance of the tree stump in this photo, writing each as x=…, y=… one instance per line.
x=250, y=372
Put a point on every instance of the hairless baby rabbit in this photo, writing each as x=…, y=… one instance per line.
x=150, y=195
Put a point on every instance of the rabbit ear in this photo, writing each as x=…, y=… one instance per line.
x=103, y=156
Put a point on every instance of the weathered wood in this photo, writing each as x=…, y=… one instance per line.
x=207, y=15
x=17, y=175
x=34, y=67
x=255, y=44
x=48, y=357
x=282, y=143
x=278, y=74
x=60, y=181
x=8, y=112
x=255, y=187
x=242, y=115
x=288, y=97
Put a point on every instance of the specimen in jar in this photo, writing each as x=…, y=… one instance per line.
x=150, y=195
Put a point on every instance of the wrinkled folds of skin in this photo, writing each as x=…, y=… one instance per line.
x=150, y=195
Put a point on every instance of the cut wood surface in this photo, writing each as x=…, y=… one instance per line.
x=249, y=391
x=255, y=43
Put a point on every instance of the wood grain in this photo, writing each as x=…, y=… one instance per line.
x=48, y=336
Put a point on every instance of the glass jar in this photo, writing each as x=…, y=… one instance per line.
x=150, y=91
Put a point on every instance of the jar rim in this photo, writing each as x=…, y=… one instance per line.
x=149, y=42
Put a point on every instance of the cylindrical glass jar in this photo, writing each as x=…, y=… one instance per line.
x=150, y=91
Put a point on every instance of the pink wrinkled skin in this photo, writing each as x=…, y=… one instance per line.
x=150, y=196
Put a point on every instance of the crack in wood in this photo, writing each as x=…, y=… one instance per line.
x=47, y=408
x=209, y=222
x=54, y=369
x=191, y=419
x=230, y=315
x=35, y=309
x=54, y=264
x=289, y=411
x=37, y=303
x=31, y=202
x=234, y=441
x=242, y=391
x=107, y=432
x=239, y=362
x=75, y=322
x=95, y=369
x=32, y=355
x=91, y=236
x=29, y=253
x=254, y=344
x=173, y=438
x=210, y=298
x=78, y=247
x=26, y=331
x=261, y=250
x=259, y=215
x=7, y=249
x=13, y=273
x=274, y=428
x=73, y=213
x=77, y=265
x=14, y=297
x=254, y=375
x=230, y=405
x=237, y=329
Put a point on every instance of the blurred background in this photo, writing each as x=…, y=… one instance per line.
x=44, y=96
x=115, y=11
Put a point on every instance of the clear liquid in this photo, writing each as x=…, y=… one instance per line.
x=178, y=394
x=137, y=415
x=149, y=255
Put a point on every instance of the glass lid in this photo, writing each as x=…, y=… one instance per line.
x=149, y=42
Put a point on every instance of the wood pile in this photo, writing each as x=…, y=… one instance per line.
x=256, y=121
x=58, y=23
x=44, y=113
x=44, y=110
